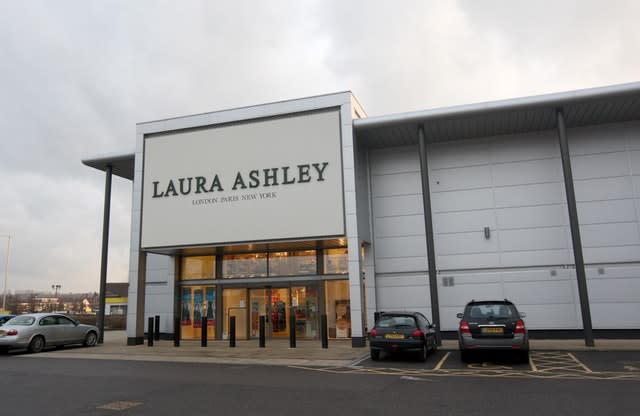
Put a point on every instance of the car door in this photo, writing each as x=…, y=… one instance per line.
x=48, y=327
x=68, y=331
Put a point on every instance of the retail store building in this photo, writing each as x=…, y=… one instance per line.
x=310, y=207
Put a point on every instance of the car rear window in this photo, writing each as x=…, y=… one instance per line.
x=22, y=320
x=396, y=322
x=495, y=310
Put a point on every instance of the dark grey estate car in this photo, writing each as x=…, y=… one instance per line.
x=402, y=331
x=492, y=325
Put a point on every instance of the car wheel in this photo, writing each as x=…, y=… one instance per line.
x=375, y=355
x=36, y=345
x=465, y=356
x=91, y=339
x=4, y=350
x=424, y=352
x=523, y=356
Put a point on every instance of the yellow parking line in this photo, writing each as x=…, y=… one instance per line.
x=441, y=362
x=532, y=365
x=587, y=369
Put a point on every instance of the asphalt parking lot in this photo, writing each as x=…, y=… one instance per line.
x=542, y=364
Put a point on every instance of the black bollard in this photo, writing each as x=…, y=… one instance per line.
x=150, y=332
x=262, y=331
x=176, y=331
x=292, y=328
x=323, y=331
x=156, y=332
x=203, y=336
x=232, y=331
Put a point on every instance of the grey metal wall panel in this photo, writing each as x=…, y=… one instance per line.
x=462, y=200
x=397, y=205
x=527, y=172
x=532, y=217
x=401, y=226
x=411, y=246
x=472, y=177
x=597, y=165
x=514, y=185
x=600, y=189
x=396, y=184
x=530, y=195
x=401, y=264
x=464, y=221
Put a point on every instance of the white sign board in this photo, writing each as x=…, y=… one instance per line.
x=263, y=180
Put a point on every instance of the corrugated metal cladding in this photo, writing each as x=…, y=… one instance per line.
x=512, y=185
x=441, y=125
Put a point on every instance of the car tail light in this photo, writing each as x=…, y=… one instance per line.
x=520, y=327
x=464, y=327
x=417, y=334
x=374, y=333
x=12, y=332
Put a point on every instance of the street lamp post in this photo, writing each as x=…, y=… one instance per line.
x=6, y=273
x=55, y=288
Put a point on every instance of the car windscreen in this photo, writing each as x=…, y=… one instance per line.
x=492, y=311
x=396, y=322
x=21, y=321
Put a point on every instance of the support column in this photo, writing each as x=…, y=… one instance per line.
x=140, y=294
x=428, y=228
x=105, y=251
x=575, y=229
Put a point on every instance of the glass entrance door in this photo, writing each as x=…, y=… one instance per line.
x=274, y=305
x=280, y=308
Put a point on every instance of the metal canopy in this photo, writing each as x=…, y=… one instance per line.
x=122, y=164
x=581, y=108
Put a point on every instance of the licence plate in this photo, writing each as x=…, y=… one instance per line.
x=394, y=336
x=493, y=330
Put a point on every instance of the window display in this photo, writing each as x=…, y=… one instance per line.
x=196, y=302
x=198, y=267
x=336, y=261
x=338, y=308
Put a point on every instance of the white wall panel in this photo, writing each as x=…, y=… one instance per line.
x=617, y=234
x=412, y=246
x=397, y=205
x=612, y=211
x=600, y=165
x=532, y=216
x=401, y=264
x=397, y=184
x=534, y=258
x=467, y=261
x=455, y=222
x=407, y=225
x=464, y=243
x=602, y=189
x=461, y=200
x=460, y=178
x=527, y=172
x=533, y=239
x=397, y=160
x=529, y=195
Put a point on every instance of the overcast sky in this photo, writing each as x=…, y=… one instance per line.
x=76, y=77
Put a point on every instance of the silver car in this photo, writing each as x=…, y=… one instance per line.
x=39, y=330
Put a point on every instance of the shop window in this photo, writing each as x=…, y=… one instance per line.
x=338, y=308
x=292, y=263
x=197, y=302
x=234, y=303
x=244, y=265
x=305, y=301
x=336, y=261
x=198, y=267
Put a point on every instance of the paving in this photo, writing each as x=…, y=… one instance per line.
x=308, y=353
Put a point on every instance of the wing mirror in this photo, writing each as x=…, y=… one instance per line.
x=459, y=315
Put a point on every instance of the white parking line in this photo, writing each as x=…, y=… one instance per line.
x=441, y=362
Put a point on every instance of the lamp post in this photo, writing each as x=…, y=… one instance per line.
x=55, y=288
x=6, y=273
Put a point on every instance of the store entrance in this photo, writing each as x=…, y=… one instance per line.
x=274, y=305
